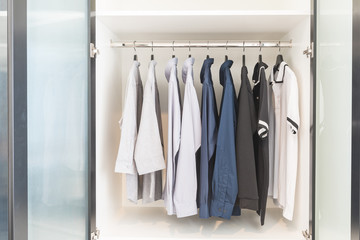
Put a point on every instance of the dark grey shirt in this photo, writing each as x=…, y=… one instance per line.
x=248, y=197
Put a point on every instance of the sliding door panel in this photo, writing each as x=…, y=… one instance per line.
x=333, y=120
x=58, y=73
x=4, y=147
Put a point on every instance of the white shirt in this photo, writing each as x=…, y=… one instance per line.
x=186, y=180
x=287, y=121
x=149, y=155
x=174, y=129
x=271, y=135
x=129, y=124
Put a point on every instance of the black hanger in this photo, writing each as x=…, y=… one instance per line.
x=152, y=51
x=189, y=50
x=173, y=56
x=226, y=47
x=260, y=56
x=279, y=59
x=243, y=56
x=135, y=55
x=207, y=56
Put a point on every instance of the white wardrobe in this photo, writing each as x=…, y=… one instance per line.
x=202, y=20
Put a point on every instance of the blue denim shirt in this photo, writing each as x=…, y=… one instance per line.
x=224, y=183
x=209, y=128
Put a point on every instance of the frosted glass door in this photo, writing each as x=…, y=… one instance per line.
x=333, y=120
x=58, y=73
x=3, y=123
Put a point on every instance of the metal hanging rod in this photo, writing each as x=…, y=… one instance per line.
x=202, y=44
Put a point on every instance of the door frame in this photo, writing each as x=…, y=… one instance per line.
x=355, y=141
x=312, y=119
x=17, y=119
x=92, y=125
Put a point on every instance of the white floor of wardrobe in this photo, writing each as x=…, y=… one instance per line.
x=153, y=223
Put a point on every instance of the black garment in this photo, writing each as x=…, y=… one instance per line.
x=261, y=143
x=248, y=196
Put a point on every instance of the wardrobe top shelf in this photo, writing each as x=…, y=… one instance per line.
x=199, y=22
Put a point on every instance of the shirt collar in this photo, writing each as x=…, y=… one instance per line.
x=206, y=69
x=172, y=63
x=280, y=76
x=136, y=63
x=187, y=68
x=257, y=68
x=226, y=65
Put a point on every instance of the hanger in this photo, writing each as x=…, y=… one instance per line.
x=189, y=50
x=135, y=55
x=279, y=59
x=173, y=56
x=260, y=56
x=243, y=56
x=226, y=47
x=207, y=56
x=152, y=51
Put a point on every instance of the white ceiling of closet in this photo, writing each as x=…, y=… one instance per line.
x=201, y=22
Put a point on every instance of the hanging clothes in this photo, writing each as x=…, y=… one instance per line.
x=261, y=143
x=224, y=182
x=287, y=121
x=129, y=125
x=271, y=135
x=209, y=127
x=248, y=196
x=186, y=179
x=149, y=156
x=174, y=129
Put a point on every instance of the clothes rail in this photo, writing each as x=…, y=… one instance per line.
x=202, y=44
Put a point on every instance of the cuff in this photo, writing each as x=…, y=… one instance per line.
x=288, y=214
x=125, y=166
x=204, y=210
x=293, y=125
x=186, y=209
x=263, y=129
x=221, y=209
x=252, y=204
x=155, y=164
x=236, y=211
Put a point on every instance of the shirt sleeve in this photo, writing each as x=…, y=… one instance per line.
x=263, y=123
x=125, y=156
x=149, y=150
x=224, y=183
x=292, y=146
x=293, y=118
x=185, y=192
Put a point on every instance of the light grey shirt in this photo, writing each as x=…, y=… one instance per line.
x=149, y=156
x=174, y=129
x=129, y=125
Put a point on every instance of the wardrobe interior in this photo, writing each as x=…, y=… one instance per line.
x=160, y=20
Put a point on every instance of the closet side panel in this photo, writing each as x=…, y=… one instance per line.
x=109, y=101
x=300, y=64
